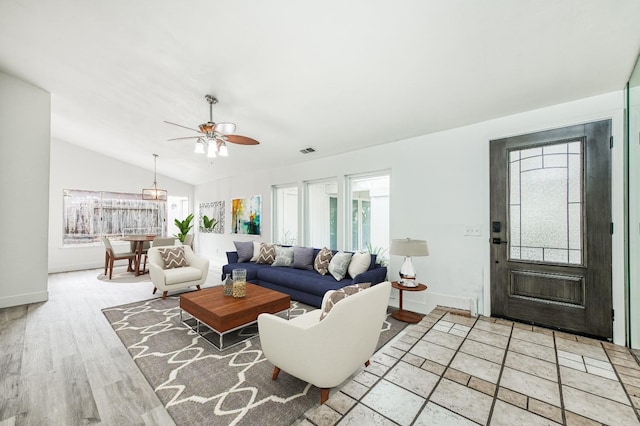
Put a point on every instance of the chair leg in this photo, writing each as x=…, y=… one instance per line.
x=106, y=263
x=111, y=260
x=144, y=264
x=276, y=371
x=324, y=395
x=130, y=267
x=164, y=294
x=155, y=289
x=366, y=363
x=198, y=287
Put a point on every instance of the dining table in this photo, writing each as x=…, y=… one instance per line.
x=138, y=248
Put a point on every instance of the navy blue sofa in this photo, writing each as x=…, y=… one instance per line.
x=302, y=285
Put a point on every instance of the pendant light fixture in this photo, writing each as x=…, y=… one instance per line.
x=154, y=194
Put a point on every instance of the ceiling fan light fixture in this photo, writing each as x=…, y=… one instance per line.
x=222, y=149
x=214, y=136
x=211, y=150
x=199, y=148
x=225, y=128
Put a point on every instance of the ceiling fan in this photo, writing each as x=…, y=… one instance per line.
x=213, y=137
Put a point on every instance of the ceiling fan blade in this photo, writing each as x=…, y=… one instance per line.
x=186, y=137
x=184, y=127
x=225, y=128
x=241, y=140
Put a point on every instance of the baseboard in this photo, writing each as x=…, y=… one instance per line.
x=78, y=267
x=24, y=299
x=425, y=301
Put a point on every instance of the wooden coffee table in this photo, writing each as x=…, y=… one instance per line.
x=226, y=314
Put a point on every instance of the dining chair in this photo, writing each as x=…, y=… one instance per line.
x=111, y=256
x=159, y=241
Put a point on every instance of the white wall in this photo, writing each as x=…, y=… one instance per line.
x=73, y=167
x=634, y=210
x=25, y=113
x=439, y=185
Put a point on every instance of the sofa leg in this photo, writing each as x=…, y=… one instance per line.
x=276, y=371
x=155, y=289
x=198, y=287
x=164, y=294
x=366, y=363
x=324, y=395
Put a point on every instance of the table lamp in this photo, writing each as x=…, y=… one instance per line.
x=408, y=248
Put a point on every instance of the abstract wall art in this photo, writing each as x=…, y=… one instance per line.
x=246, y=214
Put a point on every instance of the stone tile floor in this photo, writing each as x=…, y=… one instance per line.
x=455, y=370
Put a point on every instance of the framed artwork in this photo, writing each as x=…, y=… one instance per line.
x=246, y=214
x=211, y=218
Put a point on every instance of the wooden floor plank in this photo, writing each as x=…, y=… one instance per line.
x=62, y=363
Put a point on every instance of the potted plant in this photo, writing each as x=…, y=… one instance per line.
x=184, y=226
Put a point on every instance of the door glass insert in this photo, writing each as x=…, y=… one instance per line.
x=545, y=203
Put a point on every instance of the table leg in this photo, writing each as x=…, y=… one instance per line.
x=139, y=246
x=405, y=316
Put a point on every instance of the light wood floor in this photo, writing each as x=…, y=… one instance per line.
x=62, y=364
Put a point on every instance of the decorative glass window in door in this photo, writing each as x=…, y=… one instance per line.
x=545, y=203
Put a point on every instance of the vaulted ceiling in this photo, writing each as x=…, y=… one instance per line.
x=332, y=75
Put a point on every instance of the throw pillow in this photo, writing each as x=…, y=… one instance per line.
x=303, y=258
x=267, y=254
x=244, y=249
x=332, y=297
x=321, y=264
x=359, y=263
x=284, y=256
x=173, y=257
x=339, y=265
x=256, y=252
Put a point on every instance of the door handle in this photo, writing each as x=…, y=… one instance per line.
x=498, y=241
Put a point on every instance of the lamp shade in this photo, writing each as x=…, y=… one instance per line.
x=409, y=247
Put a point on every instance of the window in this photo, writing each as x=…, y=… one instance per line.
x=545, y=203
x=285, y=213
x=321, y=223
x=89, y=215
x=369, y=204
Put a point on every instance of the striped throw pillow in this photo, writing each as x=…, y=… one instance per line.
x=173, y=257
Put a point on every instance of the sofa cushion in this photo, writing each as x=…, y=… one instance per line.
x=181, y=275
x=267, y=254
x=173, y=257
x=321, y=264
x=334, y=296
x=244, y=249
x=359, y=263
x=303, y=258
x=300, y=279
x=339, y=264
x=284, y=256
x=256, y=251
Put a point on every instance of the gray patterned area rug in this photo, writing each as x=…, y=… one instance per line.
x=200, y=385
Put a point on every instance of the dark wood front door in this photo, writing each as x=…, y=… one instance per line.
x=551, y=229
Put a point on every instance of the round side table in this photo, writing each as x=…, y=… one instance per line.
x=401, y=314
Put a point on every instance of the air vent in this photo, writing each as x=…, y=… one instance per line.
x=307, y=150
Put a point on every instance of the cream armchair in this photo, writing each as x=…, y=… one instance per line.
x=167, y=280
x=325, y=353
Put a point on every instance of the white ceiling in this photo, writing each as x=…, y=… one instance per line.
x=334, y=75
